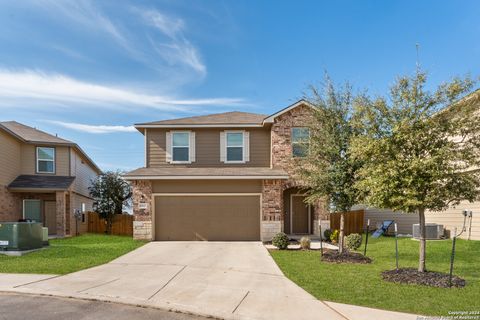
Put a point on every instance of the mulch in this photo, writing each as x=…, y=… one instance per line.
x=428, y=278
x=346, y=257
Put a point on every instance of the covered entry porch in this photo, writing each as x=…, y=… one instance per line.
x=44, y=199
x=302, y=219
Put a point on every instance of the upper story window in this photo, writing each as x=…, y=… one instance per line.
x=300, y=141
x=180, y=146
x=45, y=160
x=235, y=147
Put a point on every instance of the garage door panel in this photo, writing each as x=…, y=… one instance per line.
x=220, y=218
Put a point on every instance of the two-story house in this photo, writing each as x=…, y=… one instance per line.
x=44, y=178
x=223, y=177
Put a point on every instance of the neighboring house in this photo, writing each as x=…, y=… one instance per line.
x=43, y=178
x=223, y=177
x=450, y=219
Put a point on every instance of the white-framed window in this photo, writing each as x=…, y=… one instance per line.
x=45, y=160
x=181, y=147
x=235, y=147
x=300, y=141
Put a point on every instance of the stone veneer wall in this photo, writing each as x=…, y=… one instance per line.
x=282, y=155
x=142, y=224
x=281, y=136
x=272, y=209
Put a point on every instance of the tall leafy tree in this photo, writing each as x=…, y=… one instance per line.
x=110, y=193
x=328, y=170
x=419, y=148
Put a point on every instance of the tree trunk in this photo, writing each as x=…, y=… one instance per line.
x=423, y=242
x=342, y=232
x=109, y=224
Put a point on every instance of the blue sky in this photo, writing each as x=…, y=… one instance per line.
x=88, y=70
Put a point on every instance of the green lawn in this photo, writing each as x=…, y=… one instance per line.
x=70, y=254
x=363, y=285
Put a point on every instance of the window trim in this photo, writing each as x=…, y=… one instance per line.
x=188, y=146
x=292, y=142
x=243, y=146
x=37, y=159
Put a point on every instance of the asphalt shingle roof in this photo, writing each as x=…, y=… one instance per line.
x=208, y=171
x=30, y=134
x=234, y=117
x=41, y=182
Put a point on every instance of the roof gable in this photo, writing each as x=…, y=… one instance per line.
x=299, y=103
x=29, y=134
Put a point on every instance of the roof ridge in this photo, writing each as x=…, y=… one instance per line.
x=250, y=117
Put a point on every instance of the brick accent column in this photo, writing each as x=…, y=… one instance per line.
x=142, y=209
x=60, y=199
x=272, y=209
x=10, y=205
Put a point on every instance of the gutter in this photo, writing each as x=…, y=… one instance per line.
x=204, y=177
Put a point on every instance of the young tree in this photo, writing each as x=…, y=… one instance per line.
x=418, y=149
x=328, y=170
x=110, y=193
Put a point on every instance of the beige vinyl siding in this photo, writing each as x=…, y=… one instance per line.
x=10, y=155
x=82, y=171
x=404, y=221
x=207, y=186
x=450, y=219
x=453, y=217
x=207, y=147
x=28, y=162
x=76, y=203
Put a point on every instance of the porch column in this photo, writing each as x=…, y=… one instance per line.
x=272, y=209
x=61, y=205
x=142, y=210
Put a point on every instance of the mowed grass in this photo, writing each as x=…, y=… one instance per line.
x=70, y=254
x=363, y=285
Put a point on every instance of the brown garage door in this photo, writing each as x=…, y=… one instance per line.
x=212, y=217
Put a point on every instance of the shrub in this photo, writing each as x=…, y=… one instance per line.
x=327, y=233
x=334, y=236
x=353, y=241
x=281, y=241
x=305, y=243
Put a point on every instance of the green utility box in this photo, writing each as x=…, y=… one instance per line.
x=18, y=236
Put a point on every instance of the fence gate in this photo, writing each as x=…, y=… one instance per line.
x=122, y=224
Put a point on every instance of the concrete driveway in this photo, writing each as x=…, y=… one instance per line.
x=230, y=280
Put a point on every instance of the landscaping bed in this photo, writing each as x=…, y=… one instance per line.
x=345, y=257
x=363, y=284
x=429, y=278
x=70, y=254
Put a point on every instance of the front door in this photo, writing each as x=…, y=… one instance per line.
x=300, y=215
x=51, y=216
x=32, y=210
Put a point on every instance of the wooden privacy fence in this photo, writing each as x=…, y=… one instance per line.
x=353, y=221
x=122, y=224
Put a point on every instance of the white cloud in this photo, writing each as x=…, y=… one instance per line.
x=178, y=49
x=167, y=41
x=35, y=86
x=84, y=13
x=93, y=128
